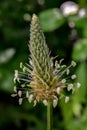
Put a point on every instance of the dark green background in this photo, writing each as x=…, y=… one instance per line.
x=15, y=16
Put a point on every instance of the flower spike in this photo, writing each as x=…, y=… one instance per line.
x=42, y=80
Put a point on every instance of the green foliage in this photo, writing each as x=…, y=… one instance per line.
x=6, y=55
x=15, y=18
x=80, y=50
x=51, y=19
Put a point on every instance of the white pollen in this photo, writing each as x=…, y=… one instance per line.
x=66, y=99
x=21, y=65
x=78, y=85
x=73, y=76
x=19, y=93
x=20, y=101
x=35, y=102
x=45, y=102
x=14, y=80
x=16, y=76
x=23, y=85
x=31, y=62
x=63, y=81
x=24, y=69
x=67, y=71
x=16, y=73
x=15, y=89
x=55, y=101
x=73, y=63
x=58, y=90
x=30, y=98
x=70, y=86
x=14, y=95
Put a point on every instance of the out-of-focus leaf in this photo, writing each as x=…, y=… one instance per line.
x=80, y=95
x=80, y=50
x=14, y=114
x=79, y=123
x=51, y=19
x=65, y=109
x=6, y=80
x=6, y=55
x=79, y=21
x=85, y=31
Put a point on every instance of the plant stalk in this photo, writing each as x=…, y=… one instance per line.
x=49, y=116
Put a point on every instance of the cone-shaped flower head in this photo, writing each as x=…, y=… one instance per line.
x=40, y=59
x=42, y=79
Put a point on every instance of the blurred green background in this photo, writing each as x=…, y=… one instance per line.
x=65, y=28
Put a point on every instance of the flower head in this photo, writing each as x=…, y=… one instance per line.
x=42, y=79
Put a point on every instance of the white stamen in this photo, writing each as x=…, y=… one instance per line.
x=55, y=101
x=51, y=63
x=61, y=61
x=19, y=93
x=63, y=81
x=57, y=65
x=16, y=76
x=78, y=85
x=63, y=66
x=73, y=76
x=35, y=102
x=70, y=86
x=73, y=63
x=14, y=95
x=30, y=98
x=24, y=69
x=20, y=101
x=66, y=99
x=67, y=71
x=23, y=85
x=15, y=89
x=21, y=65
x=58, y=90
x=45, y=102
x=31, y=63
x=14, y=80
x=16, y=73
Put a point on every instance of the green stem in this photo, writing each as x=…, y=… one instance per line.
x=49, y=116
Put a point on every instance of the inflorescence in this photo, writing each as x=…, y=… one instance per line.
x=43, y=80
